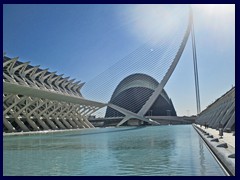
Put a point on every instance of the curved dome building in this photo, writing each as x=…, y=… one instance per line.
x=133, y=92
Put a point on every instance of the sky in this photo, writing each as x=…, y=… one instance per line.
x=82, y=41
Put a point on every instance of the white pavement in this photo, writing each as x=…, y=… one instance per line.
x=228, y=138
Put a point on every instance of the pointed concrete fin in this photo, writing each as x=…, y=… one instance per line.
x=63, y=80
x=19, y=66
x=43, y=76
x=53, y=73
x=35, y=68
x=81, y=85
x=15, y=58
x=66, y=78
x=57, y=77
x=72, y=80
x=13, y=61
x=76, y=83
x=41, y=73
x=24, y=67
x=70, y=83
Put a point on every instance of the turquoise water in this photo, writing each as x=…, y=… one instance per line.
x=151, y=151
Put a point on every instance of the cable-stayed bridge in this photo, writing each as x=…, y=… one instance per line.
x=157, y=57
x=36, y=99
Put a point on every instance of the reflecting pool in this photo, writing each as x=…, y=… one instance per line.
x=150, y=151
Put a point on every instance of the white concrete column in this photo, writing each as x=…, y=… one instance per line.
x=8, y=125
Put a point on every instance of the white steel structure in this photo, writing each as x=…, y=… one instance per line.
x=140, y=115
x=36, y=99
x=221, y=113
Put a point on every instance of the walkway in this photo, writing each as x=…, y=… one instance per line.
x=228, y=138
x=222, y=147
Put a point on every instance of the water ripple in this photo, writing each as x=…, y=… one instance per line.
x=151, y=151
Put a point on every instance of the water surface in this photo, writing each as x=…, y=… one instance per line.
x=151, y=151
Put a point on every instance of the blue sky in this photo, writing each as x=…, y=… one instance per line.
x=81, y=41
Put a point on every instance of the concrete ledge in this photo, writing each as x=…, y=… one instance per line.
x=30, y=133
x=221, y=150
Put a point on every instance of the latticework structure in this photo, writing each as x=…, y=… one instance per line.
x=35, y=99
x=221, y=113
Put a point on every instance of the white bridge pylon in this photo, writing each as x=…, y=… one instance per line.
x=140, y=115
x=130, y=115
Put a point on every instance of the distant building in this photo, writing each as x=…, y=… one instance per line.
x=133, y=92
x=35, y=99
